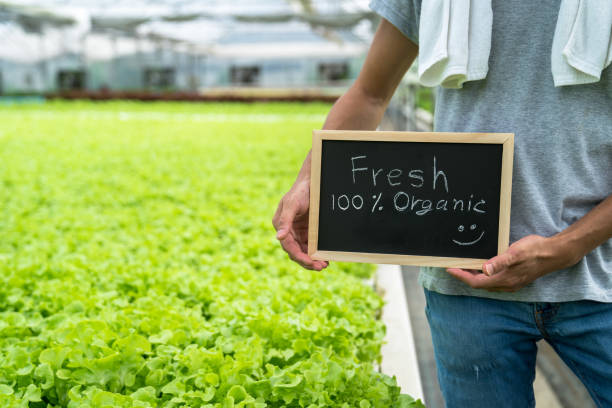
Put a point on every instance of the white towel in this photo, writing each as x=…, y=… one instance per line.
x=582, y=46
x=455, y=41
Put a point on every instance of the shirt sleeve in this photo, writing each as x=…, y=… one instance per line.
x=403, y=14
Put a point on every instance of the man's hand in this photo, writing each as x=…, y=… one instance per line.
x=534, y=256
x=360, y=108
x=291, y=224
x=524, y=261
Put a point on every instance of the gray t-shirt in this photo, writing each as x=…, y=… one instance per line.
x=563, y=141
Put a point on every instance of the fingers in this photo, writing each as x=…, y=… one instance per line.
x=288, y=210
x=276, y=220
x=510, y=271
x=277, y=213
x=510, y=258
x=296, y=254
x=477, y=280
x=294, y=238
x=468, y=277
x=495, y=265
x=500, y=282
x=494, y=276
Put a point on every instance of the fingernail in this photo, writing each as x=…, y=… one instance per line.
x=280, y=233
x=489, y=268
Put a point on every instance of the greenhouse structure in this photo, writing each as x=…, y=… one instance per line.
x=145, y=146
x=269, y=45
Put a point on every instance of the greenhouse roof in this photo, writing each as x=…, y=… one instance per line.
x=31, y=30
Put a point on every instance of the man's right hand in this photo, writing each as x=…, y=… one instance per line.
x=360, y=108
x=291, y=224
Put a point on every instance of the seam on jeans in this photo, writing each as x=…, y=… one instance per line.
x=532, y=399
x=572, y=366
x=537, y=317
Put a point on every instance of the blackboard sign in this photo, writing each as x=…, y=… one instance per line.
x=415, y=198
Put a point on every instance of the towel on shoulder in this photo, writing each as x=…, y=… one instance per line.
x=455, y=41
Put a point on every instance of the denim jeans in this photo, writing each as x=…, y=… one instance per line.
x=486, y=349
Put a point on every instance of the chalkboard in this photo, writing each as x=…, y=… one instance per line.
x=430, y=199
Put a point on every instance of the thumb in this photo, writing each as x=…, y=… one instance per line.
x=496, y=264
x=489, y=267
x=286, y=219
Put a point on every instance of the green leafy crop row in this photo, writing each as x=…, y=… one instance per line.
x=138, y=265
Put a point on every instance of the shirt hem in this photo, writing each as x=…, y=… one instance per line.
x=442, y=286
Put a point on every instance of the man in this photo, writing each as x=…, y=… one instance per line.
x=555, y=280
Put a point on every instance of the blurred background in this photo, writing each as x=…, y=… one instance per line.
x=88, y=45
x=191, y=50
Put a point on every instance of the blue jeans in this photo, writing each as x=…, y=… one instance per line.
x=486, y=349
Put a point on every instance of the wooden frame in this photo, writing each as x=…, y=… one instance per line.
x=505, y=139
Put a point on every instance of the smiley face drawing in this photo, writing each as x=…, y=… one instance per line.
x=473, y=227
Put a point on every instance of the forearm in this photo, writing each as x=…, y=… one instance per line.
x=356, y=110
x=587, y=233
x=363, y=105
x=352, y=111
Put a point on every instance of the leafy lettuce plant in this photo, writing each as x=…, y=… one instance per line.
x=138, y=266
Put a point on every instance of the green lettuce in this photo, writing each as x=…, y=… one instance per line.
x=138, y=265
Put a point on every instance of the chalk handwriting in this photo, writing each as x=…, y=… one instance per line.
x=394, y=176
x=357, y=168
x=405, y=202
x=438, y=173
x=473, y=227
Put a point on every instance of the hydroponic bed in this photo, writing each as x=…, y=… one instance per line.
x=138, y=265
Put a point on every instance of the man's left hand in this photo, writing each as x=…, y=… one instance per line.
x=523, y=262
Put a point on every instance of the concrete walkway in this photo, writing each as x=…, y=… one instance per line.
x=399, y=357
